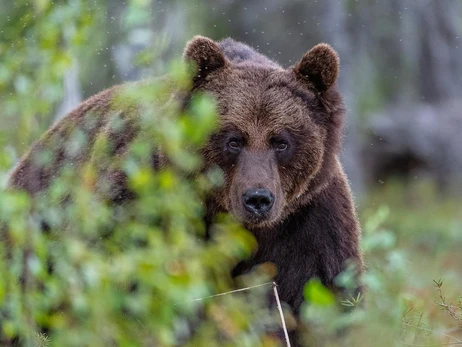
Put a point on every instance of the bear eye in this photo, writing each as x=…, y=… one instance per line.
x=234, y=144
x=279, y=145
x=282, y=146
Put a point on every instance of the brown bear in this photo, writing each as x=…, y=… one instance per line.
x=277, y=143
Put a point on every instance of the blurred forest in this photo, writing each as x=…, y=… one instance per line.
x=401, y=76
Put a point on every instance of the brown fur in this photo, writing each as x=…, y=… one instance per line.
x=94, y=117
x=311, y=229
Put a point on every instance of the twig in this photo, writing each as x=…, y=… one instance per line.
x=450, y=308
x=286, y=334
x=278, y=303
x=234, y=291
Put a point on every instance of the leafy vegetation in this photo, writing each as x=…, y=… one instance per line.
x=131, y=275
x=411, y=241
x=100, y=275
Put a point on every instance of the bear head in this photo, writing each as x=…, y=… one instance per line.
x=279, y=129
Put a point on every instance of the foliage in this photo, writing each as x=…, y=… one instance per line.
x=409, y=239
x=38, y=43
x=130, y=275
x=75, y=270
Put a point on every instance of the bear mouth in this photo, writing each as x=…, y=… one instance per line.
x=257, y=220
x=256, y=217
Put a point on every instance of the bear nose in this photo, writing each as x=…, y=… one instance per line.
x=258, y=201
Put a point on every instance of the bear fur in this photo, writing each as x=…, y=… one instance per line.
x=279, y=132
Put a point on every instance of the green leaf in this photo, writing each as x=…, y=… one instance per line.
x=317, y=294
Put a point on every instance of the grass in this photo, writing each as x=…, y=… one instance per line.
x=427, y=230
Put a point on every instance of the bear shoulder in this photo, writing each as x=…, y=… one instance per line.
x=36, y=168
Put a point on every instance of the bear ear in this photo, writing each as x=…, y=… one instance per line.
x=205, y=54
x=319, y=67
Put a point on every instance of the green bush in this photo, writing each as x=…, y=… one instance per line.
x=101, y=274
x=129, y=275
x=405, y=301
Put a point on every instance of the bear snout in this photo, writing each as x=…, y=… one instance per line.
x=258, y=201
